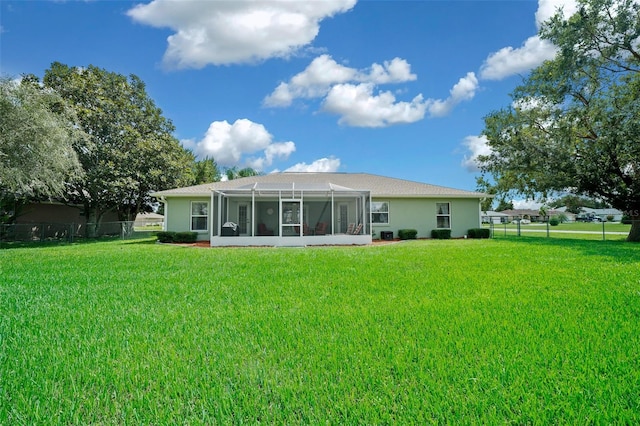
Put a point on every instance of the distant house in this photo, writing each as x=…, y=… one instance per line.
x=494, y=217
x=148, y=219
x=529, y=215
x=295, y=209
x=601, y=214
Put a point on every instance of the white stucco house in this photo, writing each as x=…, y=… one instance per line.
x=298, y=209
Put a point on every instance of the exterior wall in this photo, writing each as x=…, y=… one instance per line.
x=420, y=214
x=177, y=216
x=57, y=213
x=404, y=213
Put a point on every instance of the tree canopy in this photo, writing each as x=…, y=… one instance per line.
x=574, y=124
x=129, y=150
x=36, y=143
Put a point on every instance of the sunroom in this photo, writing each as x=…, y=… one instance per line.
x=290, y=214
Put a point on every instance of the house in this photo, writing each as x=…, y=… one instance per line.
x=148, y=219
x=494, y=217
x=296, y=209
x=600, y=214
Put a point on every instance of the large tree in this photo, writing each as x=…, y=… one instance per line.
x=36, y=144
x=130, y=150
x=574, y=124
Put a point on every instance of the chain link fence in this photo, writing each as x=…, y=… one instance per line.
x=579, y=230
x=71, y=232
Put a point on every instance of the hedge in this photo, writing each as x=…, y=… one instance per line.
x=177, y=237
x=407, y=234
x=441, y=234
x=479, y=233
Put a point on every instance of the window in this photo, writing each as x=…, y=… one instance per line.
x=199, y=215
x=380, y=212
x=443, y=216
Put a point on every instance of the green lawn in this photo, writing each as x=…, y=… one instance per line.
x=524, y=331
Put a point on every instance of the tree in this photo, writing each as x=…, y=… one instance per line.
x=574, y=124
x=574, y=203
x=36, y=144
x=503, y=204
x=129, y=151
x=233, y=172
x=205, y=171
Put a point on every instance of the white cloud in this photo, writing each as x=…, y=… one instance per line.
x=476, y=145
x=358, y=106
x=229, y=144
x=527, y=204
x=239, y=31
x=330, y=164
x=509, y=61
x=323, y=72
x=351, y=93
x=463, y=90
x=548, y=8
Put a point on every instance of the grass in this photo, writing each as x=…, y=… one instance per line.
x=521, y=331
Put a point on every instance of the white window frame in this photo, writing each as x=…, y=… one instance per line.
x=373, y=213
x=447, y=215
x=192, y=216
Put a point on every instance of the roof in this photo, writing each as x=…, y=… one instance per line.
x=379, y=186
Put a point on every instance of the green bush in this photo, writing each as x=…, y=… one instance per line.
x=626, y=219
x=407, y=234
x=165, y=236
x=610, y=218
x=185, y=237
x=554, y=221
x=441, y=234
x=479, y=233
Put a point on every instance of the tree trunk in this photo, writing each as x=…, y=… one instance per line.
x=634, y=232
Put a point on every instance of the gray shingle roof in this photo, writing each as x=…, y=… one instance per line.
x=380, y=186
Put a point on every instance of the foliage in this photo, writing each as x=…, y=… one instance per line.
x=407, y=234
x=130, y=150
x=435, y=332
x=610, y=218
x=441, y=234
x=574, y=123
x=626, y=219
x=562, y=217
x=177, y=237
x=503, y=204
x=479, y=233
x=205, y=171
x=233, y=173
x=554, y=221
x=574, y=203
x=36, y=144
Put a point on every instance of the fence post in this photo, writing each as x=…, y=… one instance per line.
x=547, y=228
x=603, y=234
x=518, y=228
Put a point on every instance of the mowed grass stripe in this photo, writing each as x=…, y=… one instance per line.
x=538, y=331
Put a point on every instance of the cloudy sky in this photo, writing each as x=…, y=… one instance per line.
x=397, y=88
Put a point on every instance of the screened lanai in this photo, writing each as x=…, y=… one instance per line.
x=293, y=214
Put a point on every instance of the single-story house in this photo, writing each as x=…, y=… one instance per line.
x=601, y=214
x=297, y=209
x=148, y=219
x=490, y=216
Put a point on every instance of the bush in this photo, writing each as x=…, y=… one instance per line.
x=165, y=236
x=610, y=218
x=177, y=237
x=479, y=233
x=407, y=234
x=554, y=221
x=185, y=237
x=441, y=234
x=626, y=219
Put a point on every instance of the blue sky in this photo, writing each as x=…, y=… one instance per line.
x=397, y=88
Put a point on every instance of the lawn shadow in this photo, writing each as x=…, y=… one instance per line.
x=619, y=251
x=4, y=245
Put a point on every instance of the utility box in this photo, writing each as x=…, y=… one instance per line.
x=386, y=235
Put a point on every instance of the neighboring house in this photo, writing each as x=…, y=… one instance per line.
x=528, y=215
x=316, y=209
x=54, y=212
x=494, y=217
x=148, y=219
x=601, y=214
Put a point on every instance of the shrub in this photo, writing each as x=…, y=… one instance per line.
x=626, y=219
x=407, y=234
x=554, y=221
x=185, y=237
x=441, y=234
x=479, y=233
x=165, y=236
x=610, y=218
